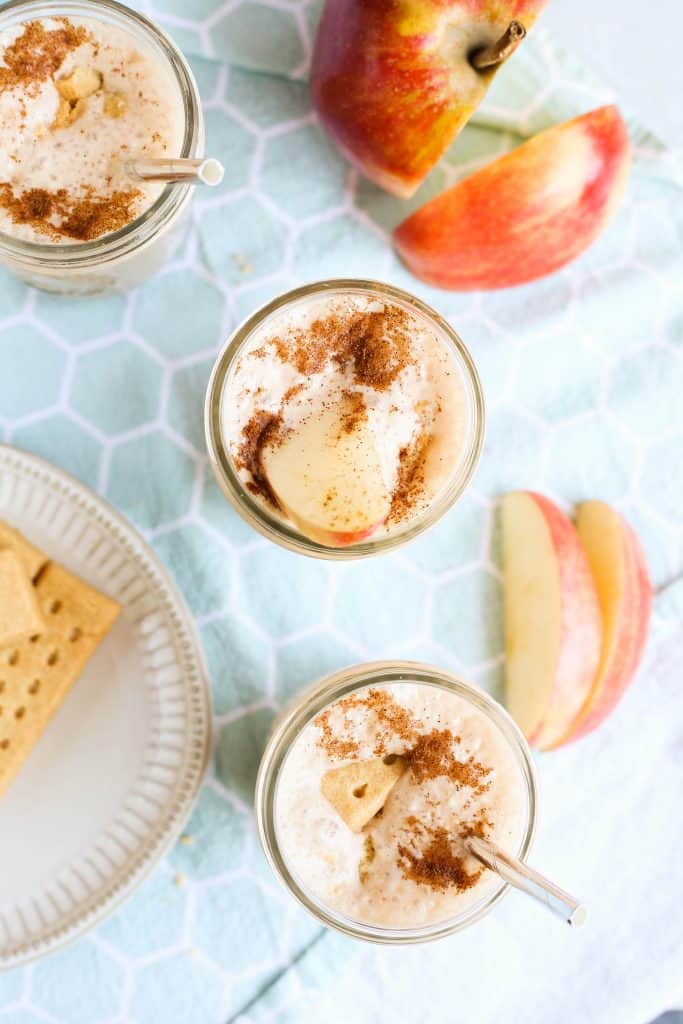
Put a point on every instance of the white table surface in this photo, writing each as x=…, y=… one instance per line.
x=641, y=58
x=634, y=47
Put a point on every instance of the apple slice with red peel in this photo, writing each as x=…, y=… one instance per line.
x=624, y=591
x=328, y=479
x=394, y=82
x=553, y=628
x=526, y=214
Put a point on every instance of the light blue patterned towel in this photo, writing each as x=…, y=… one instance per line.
x=583, y=374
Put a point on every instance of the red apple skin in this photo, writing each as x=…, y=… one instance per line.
x=391, y=83
x=620, y=657
x=344, y=540
x=579, y=653
x=572, y=634
x=336, y=538
x=526, y=214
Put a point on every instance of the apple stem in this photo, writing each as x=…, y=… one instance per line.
x=488, y=57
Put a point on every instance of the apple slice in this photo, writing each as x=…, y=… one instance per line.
x=394, y=82
x=553, y=629
x=625, y=595
x=526, y=214
x=328, y=478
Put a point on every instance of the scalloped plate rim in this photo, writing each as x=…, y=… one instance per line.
x=16, y=458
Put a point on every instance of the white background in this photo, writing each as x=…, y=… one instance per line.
x=635, y=47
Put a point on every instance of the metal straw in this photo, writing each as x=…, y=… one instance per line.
x=517, y=873
x=206, y=171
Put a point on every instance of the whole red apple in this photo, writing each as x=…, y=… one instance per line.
x=526, y=214
x=394, y=81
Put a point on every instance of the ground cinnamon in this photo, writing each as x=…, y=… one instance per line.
x=38, y=53
x=432, y=756
x=429, y=755
x=58, y=213
x=410, y=482
x=375, y=346
x=354, y=411
x=262, y=429
x=336, y=746
x=436, y=864
x=395, y=723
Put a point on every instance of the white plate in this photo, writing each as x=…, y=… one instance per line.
x=111, y=783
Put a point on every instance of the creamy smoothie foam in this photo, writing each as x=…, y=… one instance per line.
x=78, y=96
x=355, y=396
x=408, y=866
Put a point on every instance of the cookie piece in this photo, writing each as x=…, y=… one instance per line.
x=33, y=559
x=359, y=790
x=37, y=674
x=365, y=863
x=19, y=613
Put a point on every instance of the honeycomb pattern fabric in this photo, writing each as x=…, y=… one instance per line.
x=583, y=374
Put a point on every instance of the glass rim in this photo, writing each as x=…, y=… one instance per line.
x=294, y=718
x=172, y=199
x=270, y=525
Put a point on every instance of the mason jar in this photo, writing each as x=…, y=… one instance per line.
x=266, y=520
x=301, y=712
x=125, y=258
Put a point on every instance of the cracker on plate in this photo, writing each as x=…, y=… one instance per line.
x=37, y=672
x=33, y=559
x=19, y=612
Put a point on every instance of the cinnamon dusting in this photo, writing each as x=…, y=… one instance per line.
x=409, y=489
x=38, y=53
x=429, y=755
x=432, y=756
x=262, y=429
x=354, y=411
x=335, y=746
x=371, y=348
x=374, y=346
x=436, y=864
x=430, y=855
x=395, y=723
x=58, y=213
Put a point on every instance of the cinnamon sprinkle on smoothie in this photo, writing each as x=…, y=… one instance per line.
x=407, y=865
x=436, y=865
x=38, y=53
x=373, y=414
x=78, y=97
x=262, y=428
x=393, y=723
x=433, y=756
x=81, y=218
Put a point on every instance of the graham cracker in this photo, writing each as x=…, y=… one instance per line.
x=19, y=613
x=37, y=673
x=33, y=559
x=359, y=790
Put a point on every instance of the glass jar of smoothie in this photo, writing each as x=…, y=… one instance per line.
x=344, y=418
x=457, y=766
x=92, y=85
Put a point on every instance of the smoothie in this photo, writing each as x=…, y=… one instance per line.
x=346, y=416
x=378, y=794
x=78, y=97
